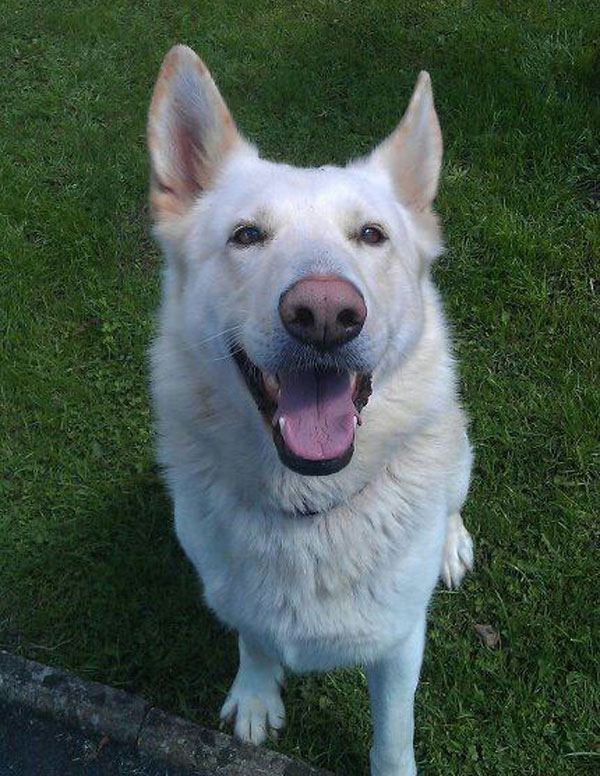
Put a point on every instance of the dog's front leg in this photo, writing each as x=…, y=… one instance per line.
x=392, y=684
x=254, y=700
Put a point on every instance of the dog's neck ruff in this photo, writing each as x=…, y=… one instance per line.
x=307, y=513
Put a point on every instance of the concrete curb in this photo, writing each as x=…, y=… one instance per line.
x=129, y=719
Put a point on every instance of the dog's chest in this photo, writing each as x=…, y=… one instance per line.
x=321, y=592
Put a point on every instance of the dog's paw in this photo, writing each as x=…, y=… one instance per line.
x=393, y=766
x=457, y=557
x=255, y=712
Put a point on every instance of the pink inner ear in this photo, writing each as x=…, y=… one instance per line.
x=190, y=132
x=189, y=151
x=412, y=154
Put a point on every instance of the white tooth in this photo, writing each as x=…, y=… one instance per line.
x=271, y=381
x=281, y=424
x=355, y=421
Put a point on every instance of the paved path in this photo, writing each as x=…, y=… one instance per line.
x=53, y=723
x=36, y=746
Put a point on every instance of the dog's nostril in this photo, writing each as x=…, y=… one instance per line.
x=304, y=316
x=325, y=311
x=348, y=318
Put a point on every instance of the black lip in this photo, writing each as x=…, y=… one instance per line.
x=251, y=374
x=252, y=377
x=306, y=466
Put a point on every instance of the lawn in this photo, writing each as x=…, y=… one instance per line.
x=90, y=574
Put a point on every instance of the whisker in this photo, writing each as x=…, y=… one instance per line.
x=227, y=355
x=220, y=334
x=227, y=334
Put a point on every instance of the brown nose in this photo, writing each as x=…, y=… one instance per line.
x=323, y=310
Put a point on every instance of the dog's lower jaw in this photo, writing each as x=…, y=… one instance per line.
x=322, y=408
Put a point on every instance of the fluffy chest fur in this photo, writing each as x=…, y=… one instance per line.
x=323, y=590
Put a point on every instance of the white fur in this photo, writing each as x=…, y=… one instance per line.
x=351, y=584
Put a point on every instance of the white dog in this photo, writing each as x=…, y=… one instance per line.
x=306, y=399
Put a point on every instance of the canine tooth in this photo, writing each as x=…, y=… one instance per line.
x=281, y=424
x=271, y=381
x=355, y=421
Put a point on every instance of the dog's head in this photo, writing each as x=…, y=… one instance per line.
x=306, y=282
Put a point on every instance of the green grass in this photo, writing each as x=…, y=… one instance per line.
x=90, y=574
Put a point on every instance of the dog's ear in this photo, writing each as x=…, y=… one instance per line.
x=412, y=154
x=190, y=133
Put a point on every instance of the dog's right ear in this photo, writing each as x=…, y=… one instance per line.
x=190, y=133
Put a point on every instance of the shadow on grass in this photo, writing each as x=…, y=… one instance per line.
x=112, y=597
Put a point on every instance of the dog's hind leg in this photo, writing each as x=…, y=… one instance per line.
x=254, y=701
x=457, y=556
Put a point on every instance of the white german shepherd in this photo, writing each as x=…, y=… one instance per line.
x=306, y=399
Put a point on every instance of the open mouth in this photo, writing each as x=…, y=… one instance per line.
x=313, y=414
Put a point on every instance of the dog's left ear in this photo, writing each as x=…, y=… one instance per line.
x=412, y=154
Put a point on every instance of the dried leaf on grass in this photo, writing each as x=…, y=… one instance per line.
x=487, y=634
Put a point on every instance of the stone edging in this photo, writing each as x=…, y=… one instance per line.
x=129, y=719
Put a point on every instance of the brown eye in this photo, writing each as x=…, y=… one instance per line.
x=247, y=235
x=372, y=235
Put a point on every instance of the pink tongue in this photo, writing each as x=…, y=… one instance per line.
x=318, y=413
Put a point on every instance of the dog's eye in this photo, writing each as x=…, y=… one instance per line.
x=247, y=234
x=371, y=234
